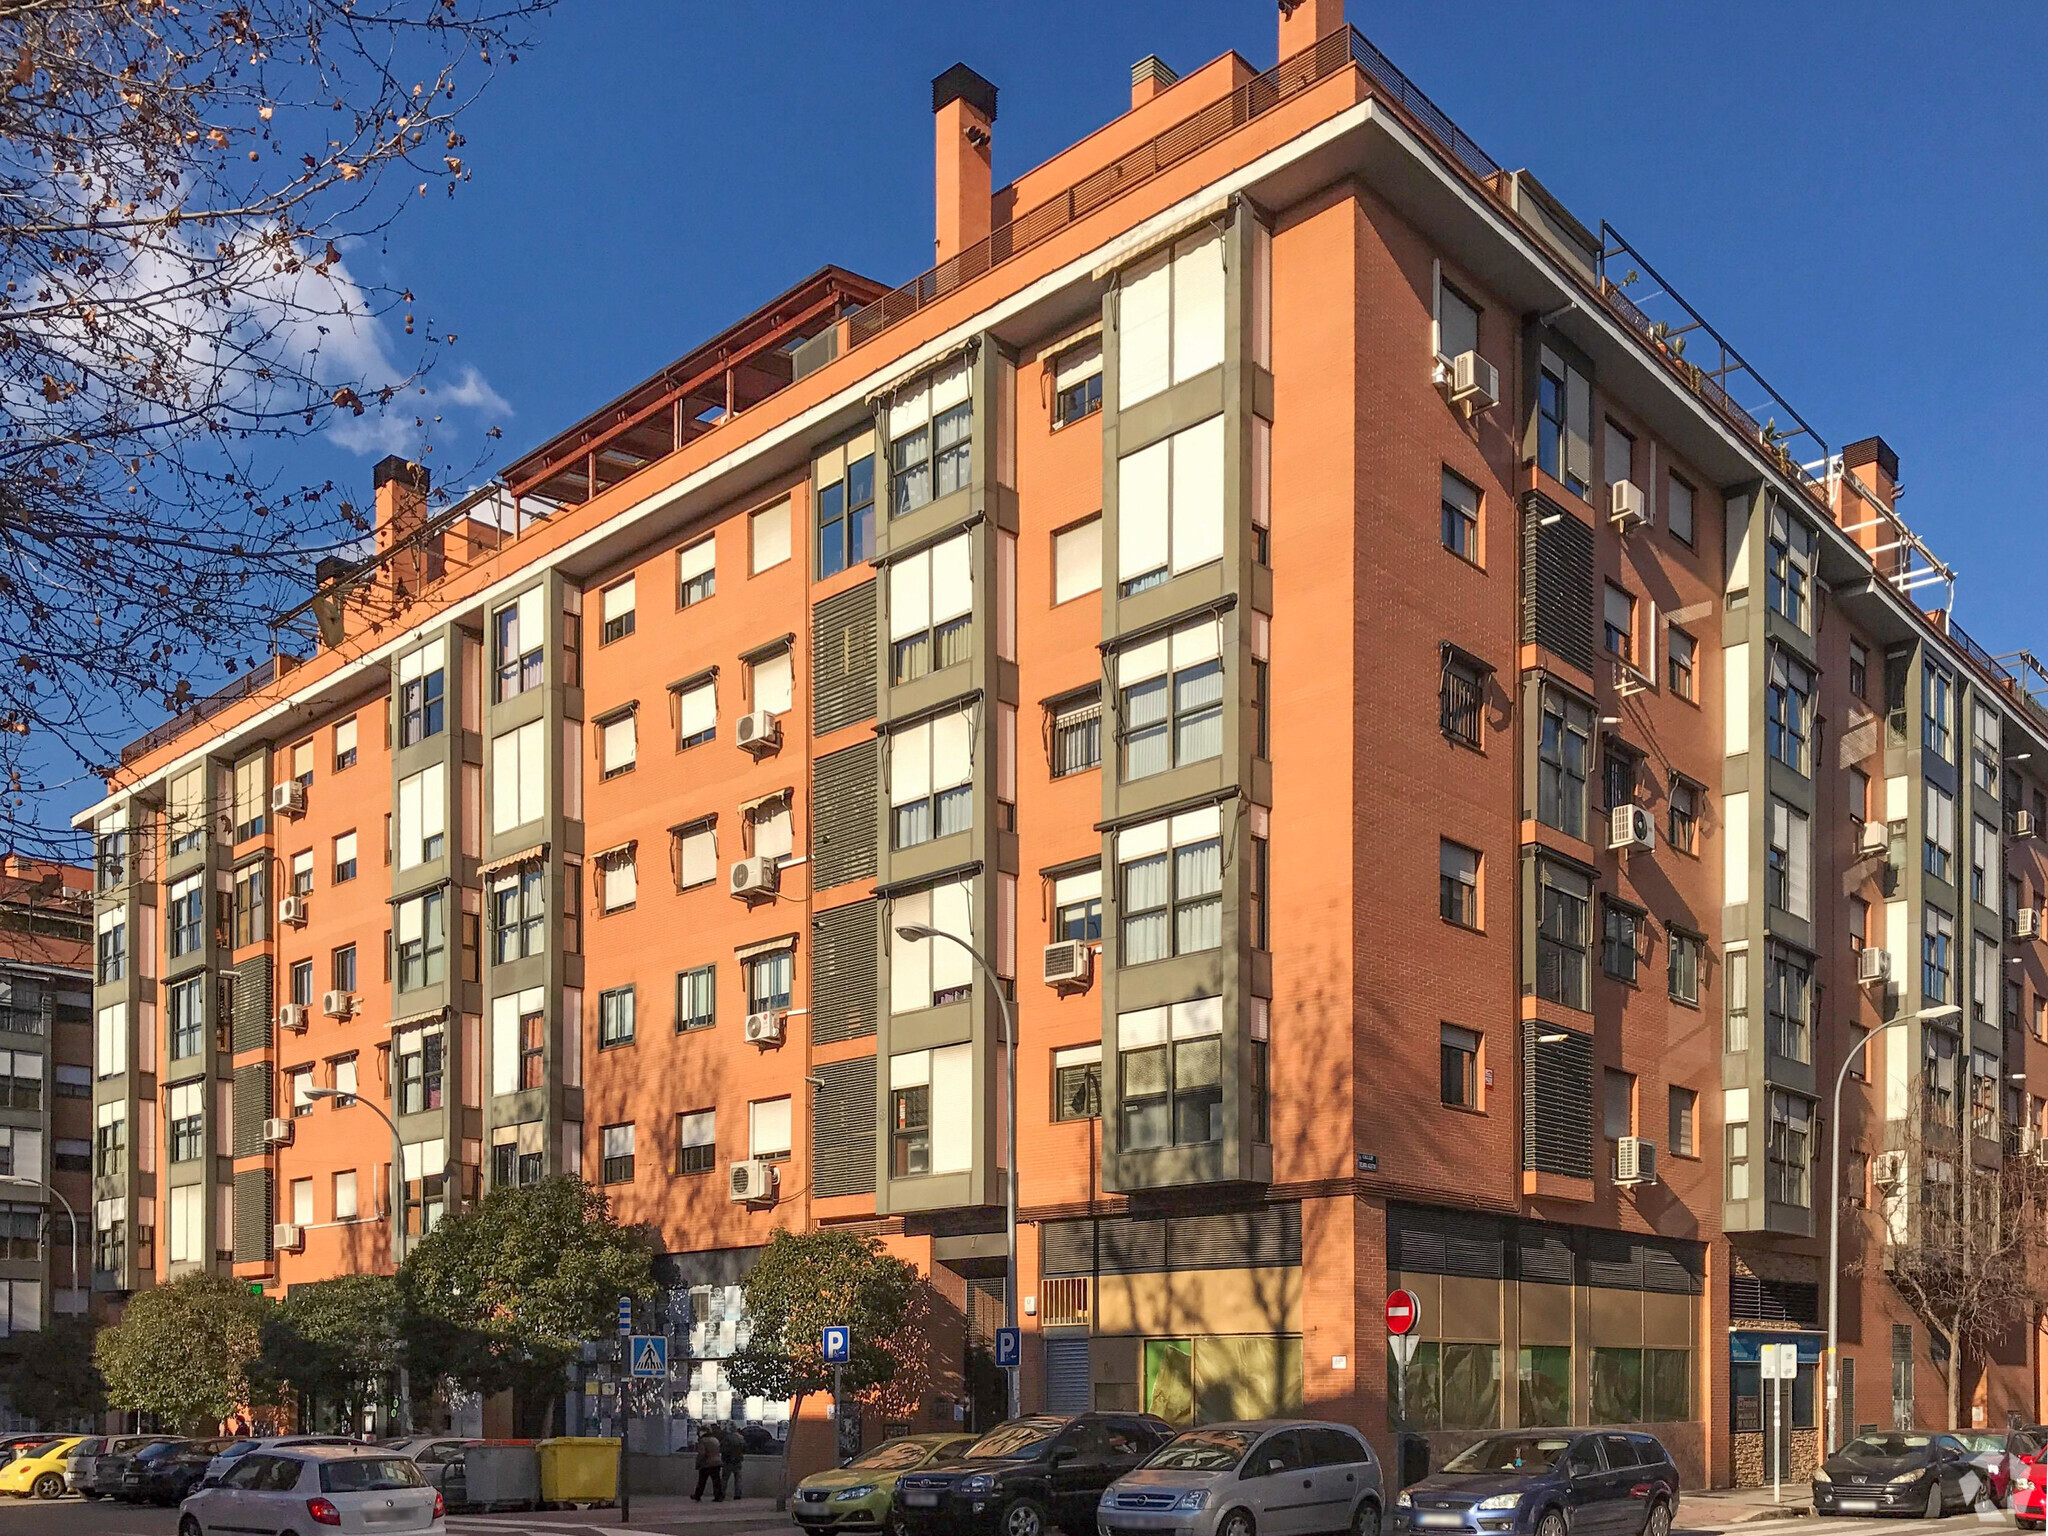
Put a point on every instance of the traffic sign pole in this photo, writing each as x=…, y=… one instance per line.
x=1404, y=1316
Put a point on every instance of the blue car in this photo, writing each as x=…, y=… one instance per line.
x=1547, y=1483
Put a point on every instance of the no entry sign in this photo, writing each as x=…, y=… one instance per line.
x=1404, y=1312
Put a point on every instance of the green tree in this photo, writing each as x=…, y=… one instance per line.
x=53, y=1380
x=336, y=1342
x=183, y=1351
x=505, y=1293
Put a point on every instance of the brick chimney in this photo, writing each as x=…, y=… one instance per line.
x=1304, y=22
x=1873, y=465
x=963, y=120
x=401, y=511
x=1149, y=76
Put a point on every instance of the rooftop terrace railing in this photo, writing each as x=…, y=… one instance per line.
x=201, y=710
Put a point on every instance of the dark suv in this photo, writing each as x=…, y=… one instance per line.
x=1545, y=1482
x=1028, y=1475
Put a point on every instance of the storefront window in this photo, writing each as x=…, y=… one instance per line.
x=1545, y=1373
x=1454, y=1386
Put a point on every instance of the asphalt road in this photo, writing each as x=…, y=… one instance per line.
x=76, y=1517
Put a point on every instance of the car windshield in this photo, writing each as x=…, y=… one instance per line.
x=1884, y=1446
x=1020, y=1441
x=369, y=1474
x=1510, y=1453
x=1202, y=1450
x=1979, y=1443
x=156, y=1452
x=892, y=1457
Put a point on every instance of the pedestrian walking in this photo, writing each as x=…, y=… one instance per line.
x=710, y=1466
x=735, y=1449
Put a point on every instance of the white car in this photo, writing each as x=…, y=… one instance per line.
x=299, y=1489
x=217, y=1468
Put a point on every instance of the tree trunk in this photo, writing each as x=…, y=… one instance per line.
x=1955, y=1378
x=796, y=1408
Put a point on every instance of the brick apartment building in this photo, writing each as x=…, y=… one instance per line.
x=1418, y=753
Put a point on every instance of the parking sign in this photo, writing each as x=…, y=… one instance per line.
x=1009, y=1348
x=838, y=1345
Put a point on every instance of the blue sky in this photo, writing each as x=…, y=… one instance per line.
x=1851, y=195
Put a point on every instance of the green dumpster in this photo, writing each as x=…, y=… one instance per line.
x=579, y=1469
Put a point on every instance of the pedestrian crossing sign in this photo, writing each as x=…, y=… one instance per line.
x=649, y=1355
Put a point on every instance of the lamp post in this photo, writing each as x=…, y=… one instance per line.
x=1925, y=1015
x=15, y=1178
x=913, y=932
x=397, y=1221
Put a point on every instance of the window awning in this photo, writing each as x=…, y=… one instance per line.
x=764, y=947
x=615, y=851
x=773, y=797
x=429, y=1016
x=1208, y=213
x=533, y=855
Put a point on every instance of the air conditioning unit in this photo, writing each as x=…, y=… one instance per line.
x=1635, y=1161
x=2023, y=824
x=757, y=732
x=1888, y=1169
x=753, y=1182
x=765, y=1028
x=291, y=911
x=277, y=1133
x=287, y=1237
x=755, y=879
x=1875, y=838
x=1626, y=509
x=292, y=1016
x=288, y=798
x=1631, y=827
x=1475, y=383
x=337, y=1005
x=2026, y=923
x=1068, y=963
x=1873, y=965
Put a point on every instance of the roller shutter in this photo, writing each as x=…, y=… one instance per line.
x=255, y=1209
x=845, y=951
x=843, y=1129
x=1557, y=581
x=843, y=663
x=845, y=788
x=253, y=1008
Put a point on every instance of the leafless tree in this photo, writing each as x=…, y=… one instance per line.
x=182, y=183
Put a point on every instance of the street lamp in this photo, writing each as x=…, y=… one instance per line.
x=1924, y=1016
x=397, y=1220
x=15, y=1178
x=914, y=932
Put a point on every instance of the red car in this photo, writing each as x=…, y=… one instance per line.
x=2029, y=1503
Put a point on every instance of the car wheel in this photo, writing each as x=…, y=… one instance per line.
x=49, y=1486
x=189, y=1526
x=1026, y=1517
x=1936, y=1505
x=1365, y=1520
x=1237, y=1523
x=1659, y=1523
x=1552, y=1523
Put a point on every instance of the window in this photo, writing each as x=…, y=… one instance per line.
x=422, y=940
x=112, y=952
x=1683, y=971
x=73, y=1081
x=1564, y=423
x=1859, y=668
x=518, y=914
x=696, y=711
x=770, y=681
x=1791, y=1135
x=345, y=1195
x=186, y=811
x=1562, y=753
x=1458, y=883
x=1458, y=1066
x=696, y=572
x=928, y=973
x=768, y=1128
x=185, y=1006
x=1859, y=1053
x=423, y=815
x=1077, y=906
x=185, y=1109
x=931, y=608
x=1788, y=881
x=1457, y=323
x=302, y=983
x=1788, y=707
x=300, y=1082
x=344, y=858
x=419, y=1057
x=1682, y=655
x=422, y=685
x=302, y=762
x=697, y=1141
x=1620, y=768
x=931, y=778
x=696, y=998
x=1077, y=383
x=1984, y=749
x=618, y=742
x=1938, y=717
x=345, y=744
x=1169, y=507
x=252, y=903
x=1678, y=512
x=1620, y=934
x=1859, y=924
x=1170, y=319
x=533, y=1036
x=1684, y=830
x=518, y=777
x=768, y=537
x=694, y=847
x=1983, y=858
x=1859, y=795
x=1170, y=1074
x=1940, y=832
x=769, y=978
x=1256, y=903
x=110, y=1141
x=1564, y=898
x=1170, y=881
x=1461, y=696
x=1077, y=734
x=929, y=1127
x=618, y=881
x=615, y=1017
x=617, y=1167
x=70, y=1154
x=615, y=607
x=1788, y=1004
x=1461, y=517
x=187, y=915
x=1788, y=566
x=1077, y=561
x=1618, y=627
x=1617, y=1103
x=770, y=828
x=110, y=856
x=931, y=440
x=188, y=1232
x=846, y=518
x=1684, y=1115
x=520, y=633
x=1077, y=1082
x=249, y=797
x=21, y=1082
x=1170, y=698
x=1617, y=452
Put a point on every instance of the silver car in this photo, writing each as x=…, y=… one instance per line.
x=1275, y=1477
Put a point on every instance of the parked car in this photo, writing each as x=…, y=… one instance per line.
x=78, y=1465
x=112, y=1463
x=1028, y=1475
x=2000, y=1454
x=1900, y=1472
x=1546, y=1482
x=1237, y=1479
x=441, y=1462
x=2029, y=1502
x=354, y=1486
x=39, y=1470
x=12, y=1446
x=135, y=1475
x=165, y=1474
x=235, y=1450
x=857, y=1494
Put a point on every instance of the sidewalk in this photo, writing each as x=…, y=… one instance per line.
x=1719, y=1508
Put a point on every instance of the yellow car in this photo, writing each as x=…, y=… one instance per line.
x=857, y=1496
x=40, y=1471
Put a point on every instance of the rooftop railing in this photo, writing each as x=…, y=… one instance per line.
x=201, y=710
